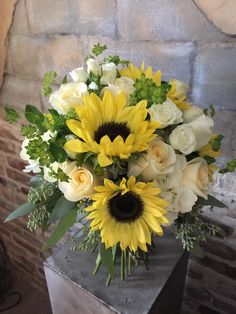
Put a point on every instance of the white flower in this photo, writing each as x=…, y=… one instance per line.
x=184, y=200
x=47, y=170
x=195, y=177
x=174, y=178
x=202, y=128
x=135, y=167
x=108, y=73
x=93, y=86
x=33, y=164
x=81, y=182
x=183, y=138
x=70, y=154
x=48, y=135
x=181, y=87
x=166, y=114
x=93, y=67
x=67, y=96
x=191, y=114
x=79, y=75
x=121, y=84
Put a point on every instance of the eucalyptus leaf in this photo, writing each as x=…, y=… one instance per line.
x=57, y=152
x=23, y=210
x=211, y=200
x=61, y=208
x=197, y=250
x=65, y=223
x=107, y=258
x=33, y=115
x=36, y=180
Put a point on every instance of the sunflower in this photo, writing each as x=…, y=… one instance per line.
x=110, y=128
x=135, y=73
x=127, y=213
x=178, y=100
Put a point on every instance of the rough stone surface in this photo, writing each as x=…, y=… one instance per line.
x=20, y=20
x=221, y=13
x=164, y=20
x=215, y=76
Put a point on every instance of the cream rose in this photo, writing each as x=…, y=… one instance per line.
x=167, y=113
x=121, y=84
x=181, y=87
x=81, y=182
x=191, y=114
x=174, y=178
x=67, y=96
x=108, y=73
x=135, y=167
x=195, y=177
x=93, y=67
x=183, y=138
x=79, y=75
x=33, y=164
x=202, y=128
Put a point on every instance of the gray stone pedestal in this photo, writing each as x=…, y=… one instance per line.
x=74, y=290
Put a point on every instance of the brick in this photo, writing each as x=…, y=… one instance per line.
x=34, y=56
x=7, y=133
x=8, y=147
x=17, y=176
x=164, y=21
x=20, y=19
x=17, y=92
x=215, y=76
x=16, y=163
x=25, y=245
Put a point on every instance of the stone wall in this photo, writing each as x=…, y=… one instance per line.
x=173, y=35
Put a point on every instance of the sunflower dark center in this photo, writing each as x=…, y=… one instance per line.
x=126, y=208
x=112, y=129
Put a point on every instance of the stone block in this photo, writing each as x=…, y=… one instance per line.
x=20, y=20
x=164, y=21
x=18, y=92
x=33, y=56
x=215, y=76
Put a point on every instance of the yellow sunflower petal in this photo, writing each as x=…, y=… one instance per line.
x=77, y=146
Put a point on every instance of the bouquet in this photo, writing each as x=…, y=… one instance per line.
x=122, y=152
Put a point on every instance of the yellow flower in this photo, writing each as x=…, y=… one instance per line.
x=127, y=213
x=135, y=73
x=110, y=128
x=176, y=97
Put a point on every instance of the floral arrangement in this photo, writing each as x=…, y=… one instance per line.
x=122, y=152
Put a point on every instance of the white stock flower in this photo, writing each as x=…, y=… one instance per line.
x=47, y=172
x=79, y=75
x=191, y=114
x=121, y=84
x=166, y=113
x=48, y=135
x=93, y=86
x=81, y=182
x=33, y=164
x=108, y=73
x=195, y=177
x=202, y=128
x=67, y=96
x=183, y=138
x=93, y=67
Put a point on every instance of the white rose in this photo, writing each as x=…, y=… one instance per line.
x=93, y=67
x=135, y=167
x=81, y=183
x=67, y=96
x=167, y=113
x=184, y=200
x=108, y=73
x=181, y=87
x=202, y=128
x=47, y=170
x=121, y=84
x=33, y=164
x=191, y=114
x=183, y=138
x=195, y=177
x=174, y=179
x=79, y=75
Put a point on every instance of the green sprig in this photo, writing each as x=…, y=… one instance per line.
x=230, y=167
x=48, y=80
x=98, y=49
x=12, y=114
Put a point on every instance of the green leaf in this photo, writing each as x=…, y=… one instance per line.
x=36, y=180
x=210, y=160
x=65, y=223
x=107, y=258
x=57, y=152
x=23, y=210
x=48, y=80
x=98, y=264
x=33, y=115
x=64, y=81
x=212, y=201
x=98, y=49
x=197, y=250
x=216, y=143
x=12, y=114
x=61, y=208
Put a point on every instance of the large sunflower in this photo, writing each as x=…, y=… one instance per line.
x=127, y=213
x=110, y=128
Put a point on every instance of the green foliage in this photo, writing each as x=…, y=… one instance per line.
x=64, y=81
x=216, y=143
x=98, y=49
x=192, y=230
x=57, y=152
x=210, y=160
x=41, y=193
x=117, y=60
x=145, y=88
x=48, y=80
x=59, y=175
x=38, y=149
x=33, y=115
x=38, y=217
x=12, y=114
x=230, y=167
x=107, y=258
x=211, y=112
x=30, y=131
x=23, y=210
x=36, y=181
x=210, y=201
x=61, y=208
